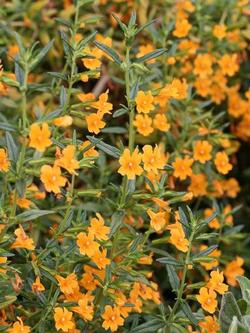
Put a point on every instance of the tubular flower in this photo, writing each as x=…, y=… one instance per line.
x=219, y=31
x=95, y=123
x=158, y=220
x=178, y=89
x=37, y=286
x=100, y=259
x=52, y=178
x=22, y=240
x=97, y=228
x=161, y=123
x=202, y=151
x=64, y=121
x=143, y=124
x=102, y=105
x=130, y=164
x=216, y=282
x=19, y=327
x=222, y=163
x=63, y=319
x=207, y=299
x=87, y=245
x=209, y=325
x=143, y=50
x=144, y=101
x=40, y=137
x=67, y=160
x=84, y=309
x=153, y=159
x=91, y=152
x=69, y=284
x=198, y=185
x=234, y=269
x=177, y=237
x=228, y=64
x=182, y=28
x=203, y=65
x=4, y=162
x=182, y=167
x=112, y=318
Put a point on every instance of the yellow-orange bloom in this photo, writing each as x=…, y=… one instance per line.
x=234, y=269
x=182, y=28
x=202, y=151
x=40, y=137
x=228, y=64
x=130, y=164
x=102, y=105
x=22, y=240
x=67, y=160
x=209, y=325
x=4, y=161
x=64, y=121
x=216, y=282
x=95, y=123
x=144, y=101
x=100, y=259
x=87, y=245
x=161, y=123
x=207, y=299
x=112, y=318
x=182, y=167
x=219, y=31
x=222, y=163
x=91, y=152
x=177, y=237
x=52, y=178
x=19, y=327
x=68, y=285
x=84, y=309
x=63, y=319
x=203, y=65
x=198, y=185
x=153, y=159
x=97, y=228
x=37, y=286
x=143, y=124
x=159, y=220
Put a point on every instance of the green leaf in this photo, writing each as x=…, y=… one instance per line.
x=245, y=287
x=41, y=54
x=114, y=130
x=151, y=326
x=121, y=24
x=108, y=149
x=11, y=146
x=144, y=26
x=32, y=214
x=169, y=261
x=188, y=312
x=229, y=309
x=116, y=222
x=205, y=252
x=173, y=277
x=151, y=55
x=7, y=127
x=119, y=112
x=9, y=300
x=81, y=45
x=109, y=52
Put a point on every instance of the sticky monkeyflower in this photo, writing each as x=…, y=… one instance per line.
x=182, y=167
x=22, y=241
x=234, y=269
x=222, y=163
x=52, y=178
x=159, y=220
x=216, y=282
x=182, y=28
x=203, y=65
x=153, y=159
x=37, y=286
x=19, y=327
x=130, y=164
x=63, y=319
x=145, y=49
x=207, y=299
x=215, y=223
x=87, y=245
x=144, y=101
x=3, y=260
x=69, y=284
x=64, y=121
x=67, y=160
x=91, y=152
x=231, y=187
x=161, y=123
x=94, y=62
x=112, y=318
x=84, y=309
x=40, y=137
x=202, y=151
x=143, y=124
x=100, y=259
x=178, y=89
x=178, y=237
x=95, y=123
x=219, y=31
x=214, y=255
x=97, y=228
x=229, y=64
x=4, y=161
x=102, y=105
x=209, y=325
x=198, y=185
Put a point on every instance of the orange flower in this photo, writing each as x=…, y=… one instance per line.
x=143, y=50
x=67, y=160
x=40, y=137
x=207, y=299
x=22, y=240
x=222, y=163
x=68, y=285
x=19, y=327
x=23, y=203
x=87, y=245
x=202, y=151
x=216, y=282
x=203, y=86
x=37, y=286
x=85, y=310
x=4, y=162
x=130, y=164
x=234, y=269
x=94, y=62
x=203, y=65
x=178, y=89
x=219, y=31
x=153, y=159
x=52, y=179
x=182, y=167
x=198, y=185
x=100, y=259
x=214, y=254
x=158, y=220
x=91, y=152
x=209, y=325
x=215, y=223
x=143, y=124
x=95, y=123
x=144, y=101
x=182, y=28
x=63, y=319
x=112, y=318
x=97, y=228
x=228, y=64
x=177, y=237
x=86, y=98
x=102, y=105
x=232, y=187
x=3, y=261
x=64, y=121
x=161, y=123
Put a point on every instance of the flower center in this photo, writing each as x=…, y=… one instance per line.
x=113, y=318
x=130, y=164
x=53, y=178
